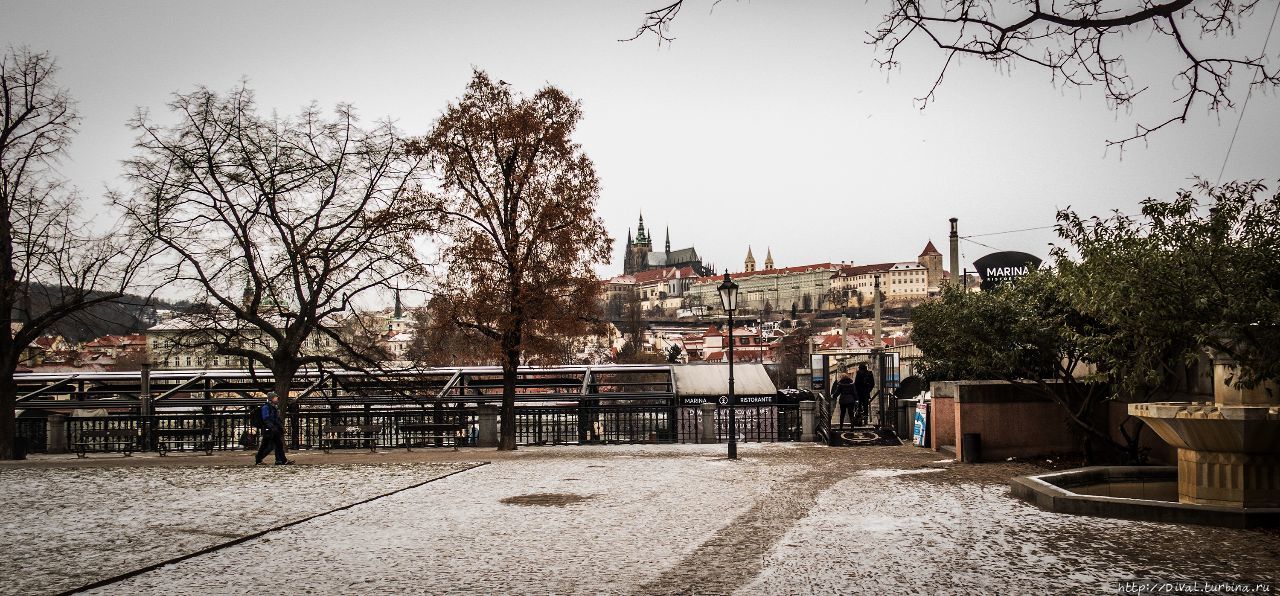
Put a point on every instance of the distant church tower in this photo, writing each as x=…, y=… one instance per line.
x=768, y=258
x=931, y=260
x=637, y=257
x=750, y=264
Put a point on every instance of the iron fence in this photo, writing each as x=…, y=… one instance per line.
x=208, y=410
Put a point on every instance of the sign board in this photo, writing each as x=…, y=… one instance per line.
x=1001, y=267
x=723, y=400
x=818, y=364
x=920, y=432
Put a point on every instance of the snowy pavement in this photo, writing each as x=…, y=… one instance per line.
x=784, y=519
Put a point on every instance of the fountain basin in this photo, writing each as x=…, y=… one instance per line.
x=1141, y=493
x=1228, y=455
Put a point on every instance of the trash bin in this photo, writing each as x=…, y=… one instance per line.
x=906, y=417
x=20, y=447
x=971, y=448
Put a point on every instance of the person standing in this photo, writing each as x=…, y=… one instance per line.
x=272, y=431
x=844, y=392
x=864, y=383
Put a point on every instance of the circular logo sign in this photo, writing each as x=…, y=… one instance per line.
x=724, y=400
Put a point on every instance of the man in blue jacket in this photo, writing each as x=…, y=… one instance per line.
x=272, y=431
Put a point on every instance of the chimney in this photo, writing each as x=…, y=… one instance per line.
x=955, y=252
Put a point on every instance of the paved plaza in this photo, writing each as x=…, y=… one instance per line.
x=784, y=519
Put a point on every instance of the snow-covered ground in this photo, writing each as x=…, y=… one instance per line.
x=912, y=533
x=67, y=527
x=784, y=519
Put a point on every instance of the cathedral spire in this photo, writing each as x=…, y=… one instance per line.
x=641, y=237
x=768, y=258
x=399, y=312
x=668, y=238
x=749, y=265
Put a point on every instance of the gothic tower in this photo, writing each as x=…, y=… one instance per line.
x=931, y=260
x=750, y=264
x=768, y=258
x=638, y=250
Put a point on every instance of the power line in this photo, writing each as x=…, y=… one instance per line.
x=966, y=239
x=1247, y=95
x=1008, y=232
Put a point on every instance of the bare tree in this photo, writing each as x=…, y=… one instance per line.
x=51, y=265
x=1076, y=42
x=516, y=202
x=277, y=223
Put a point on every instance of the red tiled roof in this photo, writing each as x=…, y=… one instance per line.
x=45, y=341
x=930, y=251
x=653, y=275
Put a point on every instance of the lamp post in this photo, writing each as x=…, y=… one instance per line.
x=729, y=300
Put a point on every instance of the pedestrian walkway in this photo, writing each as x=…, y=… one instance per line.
x=785, y=518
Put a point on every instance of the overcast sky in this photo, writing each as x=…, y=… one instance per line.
x=765, y=123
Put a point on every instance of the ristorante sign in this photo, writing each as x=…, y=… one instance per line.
x=1000, y=267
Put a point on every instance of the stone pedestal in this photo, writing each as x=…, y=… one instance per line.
x=487, y=434
x=1228, y=479
x=1228, y=455
x=708, y=423
x=56, y=430
x=806, y=420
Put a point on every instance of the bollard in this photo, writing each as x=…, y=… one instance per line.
x=56, y=430
x=806, y=420
x=708, y=423
x=488, y=433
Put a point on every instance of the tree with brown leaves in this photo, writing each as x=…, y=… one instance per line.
x=516, y=209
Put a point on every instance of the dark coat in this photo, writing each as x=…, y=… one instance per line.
x=844, y=391
x=271, y=418
x=864, y=383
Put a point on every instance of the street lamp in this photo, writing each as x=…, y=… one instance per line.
x=729, y=300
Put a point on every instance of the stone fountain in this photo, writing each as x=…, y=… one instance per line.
x=1228, y=471
x=1228, y=449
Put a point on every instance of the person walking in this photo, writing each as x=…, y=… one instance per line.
x=864, y=383
x=272, y=431
x=844, y=392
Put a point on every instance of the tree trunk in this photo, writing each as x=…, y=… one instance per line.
x=8, y=400
x=510, y=361
x=283, y=383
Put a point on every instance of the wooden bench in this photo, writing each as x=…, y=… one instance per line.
x=424, y=431
x=359, y=434
x=198, y=438
x=105, y=438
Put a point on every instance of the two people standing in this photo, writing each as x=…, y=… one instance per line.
x=854, y=395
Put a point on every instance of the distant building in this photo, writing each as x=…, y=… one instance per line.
x=640, y=256
x=773, y=289
x=664, y=287
x=902, y=282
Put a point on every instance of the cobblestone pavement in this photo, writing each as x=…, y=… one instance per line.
x=784, y=519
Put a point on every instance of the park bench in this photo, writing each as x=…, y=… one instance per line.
x=169, y=438
x=332, y=435
x=92, y=439
x=424, y=431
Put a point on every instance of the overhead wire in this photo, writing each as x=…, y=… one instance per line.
x=1245, y=105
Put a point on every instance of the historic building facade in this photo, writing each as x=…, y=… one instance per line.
x=899, y=282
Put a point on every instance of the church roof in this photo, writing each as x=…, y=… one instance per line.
x=675, y=257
